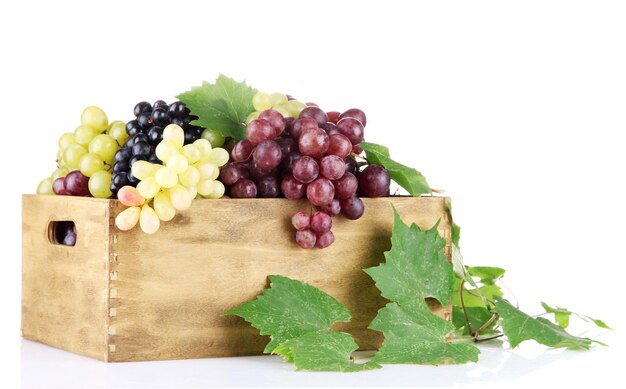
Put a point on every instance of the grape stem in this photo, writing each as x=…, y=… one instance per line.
x=476, y=335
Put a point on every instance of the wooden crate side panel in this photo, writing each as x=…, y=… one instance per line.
x=64, y=289
x=171, y=288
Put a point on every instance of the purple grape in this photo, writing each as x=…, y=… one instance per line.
x=324, y=240
x=352, y=208
x=267, y=155
x=356, y=114
x=320, y=192
x=232, y=172
x=244, y=188
x=302, y=124
x=76, y=184
x=333, y=116
x=288, y=161
x=70, y=235
x=257, y=173
x=346, y=186
x=332, y=167
x=267, y=187
x=305, y=239
x=315, y=113
x=330, y=128
x=292, y=188
x=305, y=169
x=374, y=181
x=333, y=208
x=321, y=222
x=300, y=221
x=259, y=130
x=58, y=186
x=288, y=127
x=242, y=151
x=275, y=119
x=352, y=129
x=313, y=142
x=339, y=145
x=287, y=145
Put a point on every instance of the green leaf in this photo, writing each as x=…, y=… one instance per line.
x=223, y=106
x=415, y=269
x=477, y=316
x=408, y=178
x=519, y=327
x=474, y=297
x=296, y=315
x=486, y=274
x=562, y=316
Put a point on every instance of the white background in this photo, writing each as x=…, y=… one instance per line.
x=517, y=109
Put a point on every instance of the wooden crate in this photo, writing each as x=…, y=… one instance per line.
x=128, y=296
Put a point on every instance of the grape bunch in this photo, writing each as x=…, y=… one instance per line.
x=188, y=170
x=85, y=157
x=312, y=156
x=145, y=132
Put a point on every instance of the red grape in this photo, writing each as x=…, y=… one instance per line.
x=333, y=208
x=232, y=172
x=76, y=184
x=292, y=188
x=352, y=208
x=313, y=142
x=324, y=240
x=352, y=129
x=305, y=239
x=374, y=181
x=332, y=167
x=346, y=186
x=305, y=169
x=302, y=124
x=267, y=187
x=267, y=155
x=58, y=186
x=244, y=188
x=355, y=113
x=339, y=145
x=316, y=113
x=275, y=119
x=259, y=130
x=320, y=192
x=321, y=222
x=333, y=116
x=242, y=151
x=301, y=221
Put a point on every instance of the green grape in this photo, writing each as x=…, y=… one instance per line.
x=217, y=190
x=192, y=153
x=215, y=138
x=117, y=130
x=95, y=118
x=165, y=150
x=178, y=163
x=277, y=99
x=148, y=188
x=180, y=197
x=193, y=192
x=60, y=161
x=65, y=140
x=166, y=177
x=148, y=220
x=204, y=146
x=90, y=163
x=144, y=169
x=283, y=110
x=205, y=187
x=104, y=146
x=189, y=177
x=73, y=154
x=99, y=184
x=45, y=186
x=252, y=116
x=174, y=134
x=294, y=107
x=218, y=156
x=261, y=101
x=128, y=218
x=207, y=170
x=84, y=134
x=163, y=206
x=60, y=172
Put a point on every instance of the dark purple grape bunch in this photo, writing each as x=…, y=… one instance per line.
x=310, y=156
x=145, y=132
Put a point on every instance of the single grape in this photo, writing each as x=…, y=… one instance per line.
x=352, y=129
x=66, y=139
x=166, y=177
x=321, y=222
x=339, y=145
x=207, y=170
x=99, y=184
x=215, y=191
x=314, y=113
x=301, y=221
x=374, y=181
x=95, y=118
x=144, y=121
x=178, y=163
x=123, y=154
x=302, y=124
x=276, y=120
x=333, y=116
x=60, y=172
x=160, y=117
x=267, y=155
x=287, y=145
x=332, y=167
x=292, y=188
x=180, y=197
x=352, y=208
x=148, y=220
x=320, y=192
x=141, y=149
x=305, y=239
x=189, y=177
x=58, y=186
x=259, y=130
x=313, y=142
x=130, y=196
x=163, y=206
x=148, y=188
x=356, y=114
x=232, y=172
x=333, y=208
x=117, y=130
x=45, y=186
x=244, y=188
x=346, y=186
x=214, y=137
x=261, y=101
x=294, y=107
x=204, y=146
x=84, y=134
x=218, y=156
x=76, y=184
x=305, y=169
x=242, y=151
x=330, y=128
x=155, y=135
x=105, y=146
x=144, y=169
x=128, y=218
x=175, y=135
x=324, y=240
x=90, y=163
x=268, y=187
x=192, y=153
x=277, y=99
x=165, y=150
x=142, y=107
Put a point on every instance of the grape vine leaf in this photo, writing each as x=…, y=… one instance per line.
x=518, y=327
x=223, y=106
x=298, y=317
x=562, y=316
x=477, y=317
x=415, y=269
x=408, y=178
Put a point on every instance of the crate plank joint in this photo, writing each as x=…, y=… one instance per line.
x=127, y=296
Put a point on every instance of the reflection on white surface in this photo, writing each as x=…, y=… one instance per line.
x=44, y=366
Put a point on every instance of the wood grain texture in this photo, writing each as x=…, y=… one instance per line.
x=65, y=289
x=128, y=296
